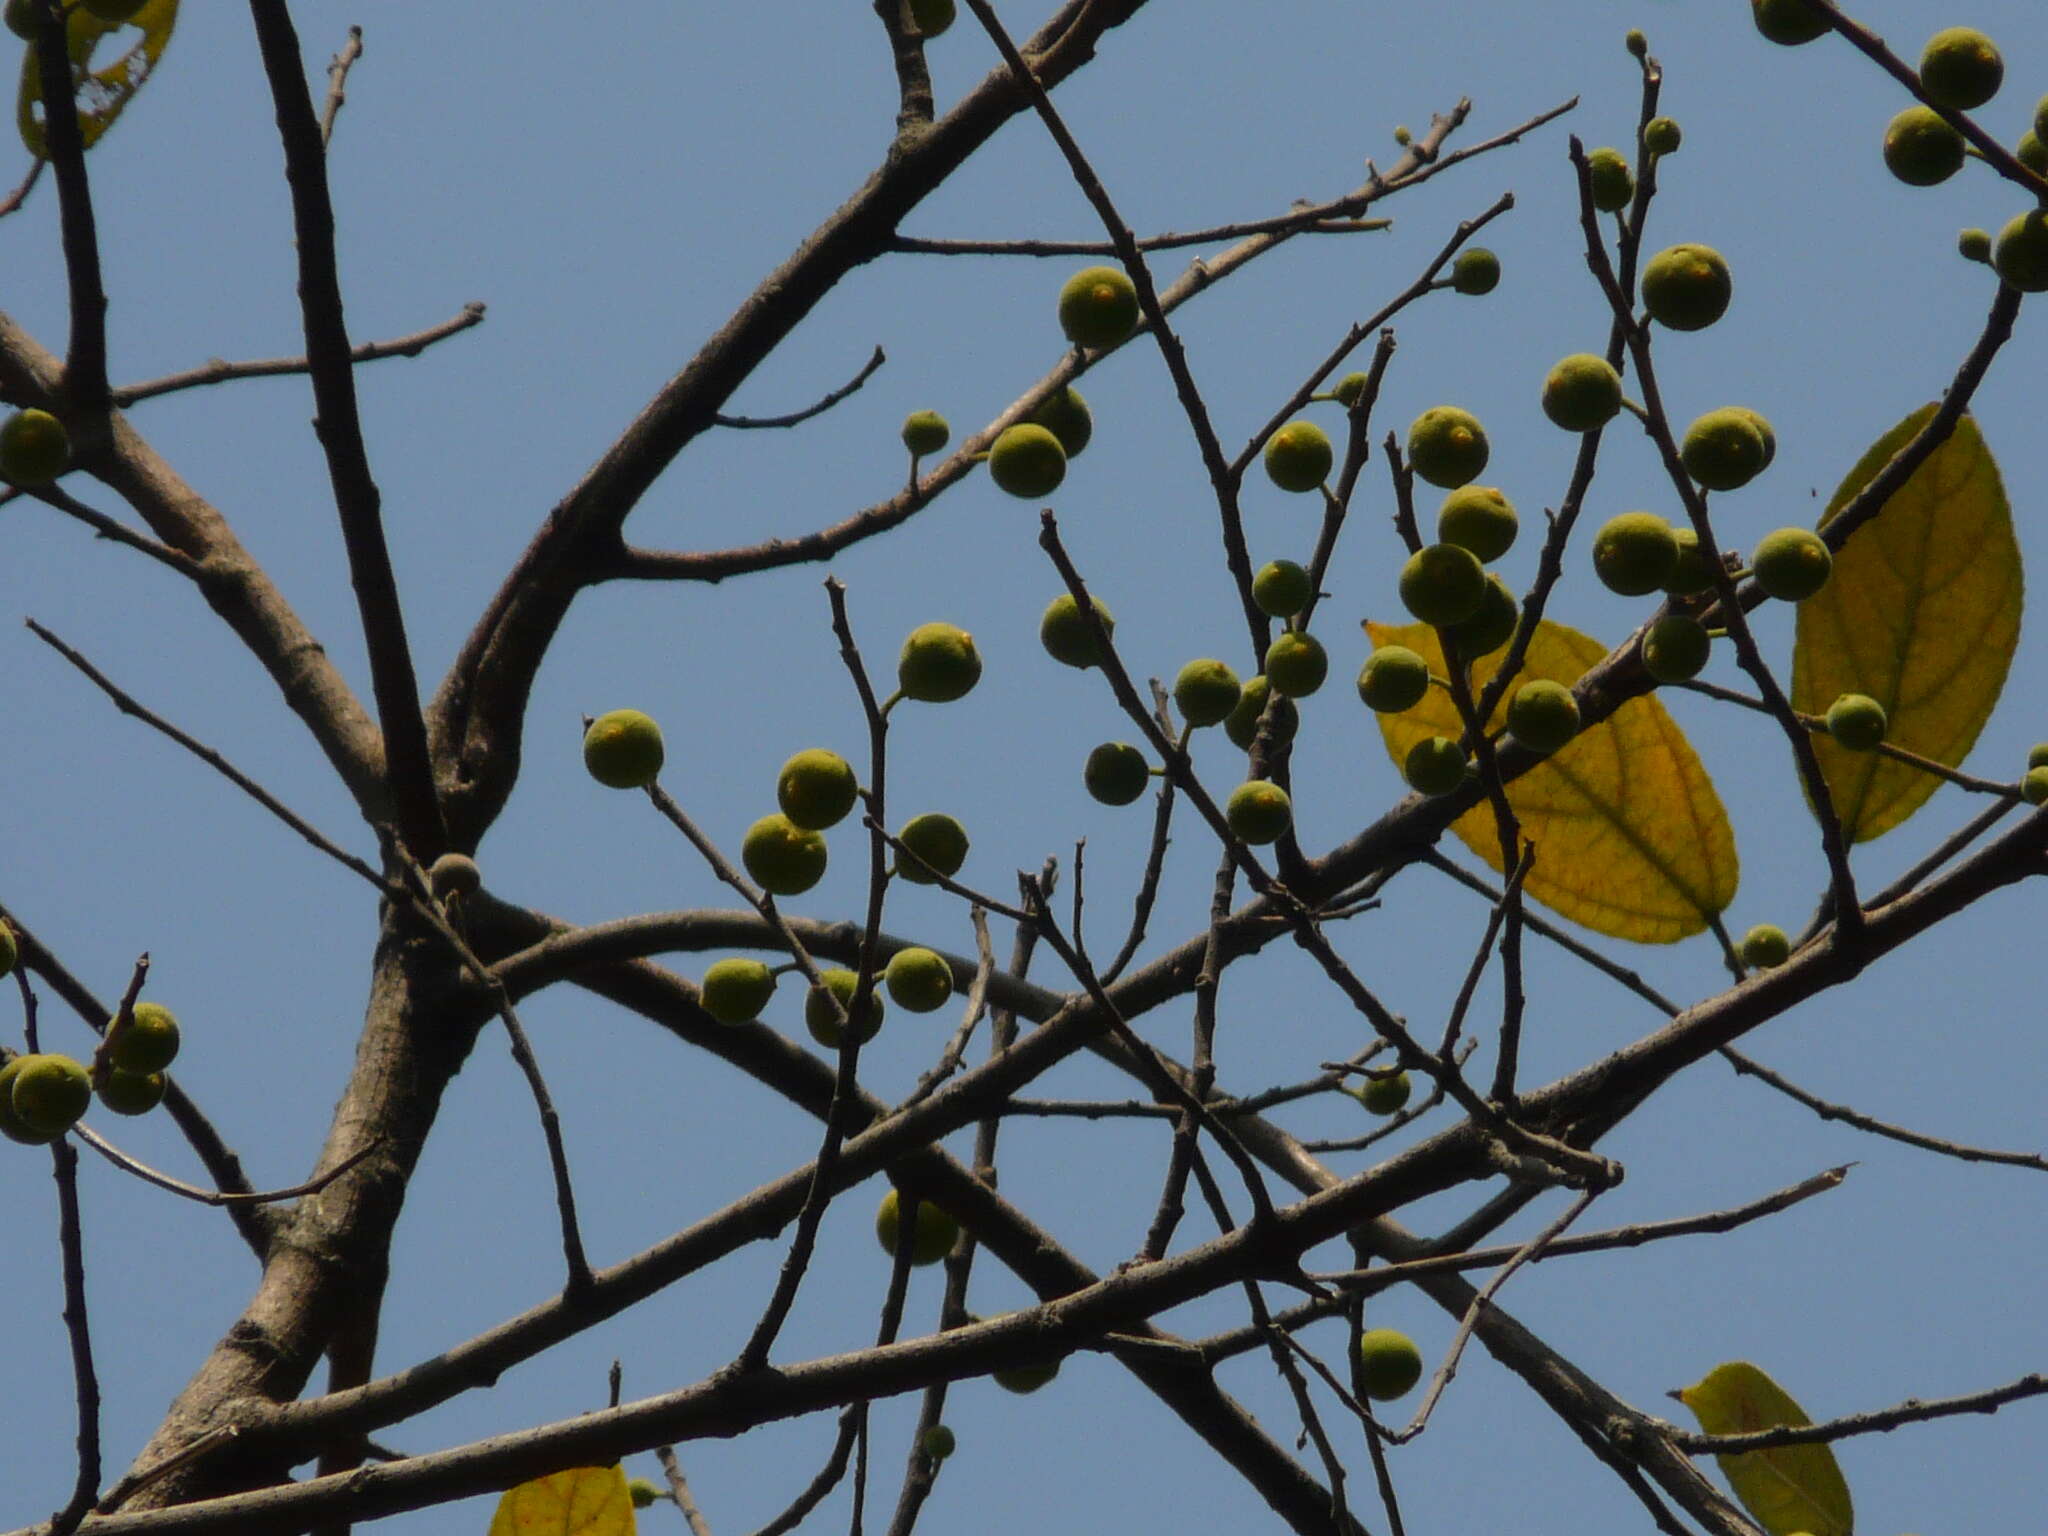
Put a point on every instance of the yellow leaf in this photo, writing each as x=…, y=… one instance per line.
x=1631, y=840
x=1793, y=1488
x=1922, y=613
x=586, y=1501
x=101, y=93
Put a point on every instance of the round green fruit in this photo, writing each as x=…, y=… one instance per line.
x=933, y=17
x=1726, y=449
x=1350, y=389
x=1443, y=584
x=622, y=749
x=823, y=1005
x=925, y=432
x=1299, y=456
x=34, y=448
x=1637, y=44
x=454, y=874
x=1476, y=271
x=1676, y=648
x=1582, y=393
x=1242, y=723
x=1393, y=678
x=1491, y=627
x=1765, y=947
x=1662, y=136
x=1447, y=446
x=149, y=1043
x=11, y=1125
x=783, y=858
x=816, y=789
x=1389, y=1364
x=1692, y=574
x=1857, y=722
x=936, y=838
x=1098, y=307
x=1116, y=773
x=938, y=664
x=1386, y=1095
x=1961, y=68
x=1295, y=664
x=1613, y=186
x=918, y=979
x=1023, y=1379
x=1788, y=22
x=938, y=1442
x=1921, y=149
x=131, y=1093
x=1791, y=564
x=1258, y=812
x=1635, y=553
x=1027, y=460
x=1066, y=634
x=1687, y=287
x=1543, y=716
x=2021, y=255
x=1974, y=245
x=1434, y=766
x=1478, y=518
x=1206, y=692
x=935, y=1235
x=1282, y=589
x=736, y=989
x=1067, y=417
x=2032, y=153
x=643, y=1493
x=2034, y=786
x=50, y=1093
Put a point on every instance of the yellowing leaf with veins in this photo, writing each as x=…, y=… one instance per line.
x=101, y=93
x=585, y=1501
x=1631, y=840
x=1790, y=1489
x=1922, y=613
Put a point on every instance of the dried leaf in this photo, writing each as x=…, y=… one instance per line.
x=1790, y=1489
x=585, y=1501
x=101, y=93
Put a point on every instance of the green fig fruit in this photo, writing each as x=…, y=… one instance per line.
x=821, y=1017
x=11, y=1125
x=1478, y=518
x=1434, y=766
x=1443, y=584
x=736, y=989
x=1961, y=68
x=925, y=432
x=1676, y=648
x=622, y=749
x=1259, y=812
x=2021, y=255
x=1726, y=449
x=1476, y=271
x=1974, y=245
x=454, y=874
x=1116, y=773
x=938, y=664
x=935, y=1233
x=816, y=789
x=1242, y=723
x=1788, y=22
x=149, y=1043
x=783, y=858
x=936, y=838
x=1386, y=1095
x=1393, y=679
x=1921, y=149
x=1582, y=393
x=50, y=1093
x=1098, y=307
x=1066, y=635
x=1491, y=627
x=1791, y=564
x=1206, y=691
x=938, y=1442
x=2032, y=153
x=918, y=979
x=1299, y=456
x=1662, y=136
x=1447, y=446
x=933, y=17
x=1687, y=287
x=1765, y=947
x=639, y=1490
x=1613, y=186
x=1295, y=664
x=131, y=1093
x=1027, y=460
x=1634, y=553
x=1857, y=722
x=34, y=448
x=2034, y=786
x=1067, y=417
x=1543, y=715
x=1350, y=389
x=1692, y=574
x=1389, y=1364
x=1281, y=589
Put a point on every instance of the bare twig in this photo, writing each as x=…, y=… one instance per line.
x=220, y=371
x=816, y=408
x=337, y=83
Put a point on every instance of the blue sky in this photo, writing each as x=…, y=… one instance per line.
x=611, y=188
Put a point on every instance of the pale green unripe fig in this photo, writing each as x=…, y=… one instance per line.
x=149, y=1043
x=1491, y=627
x=1788, y=22
x=1066, y=635
x=2037, y=755
x=936, y=838
x=1687, y=287
x=783, y=858
x=1259, y=811
x=736, y=989
x=1402, y=136
x=1961, y=68
x=622, y=749
x=1350, y=389
x=1974, y=245
x=821, y=1018
x=1765, y=947
x=1027, y=460
x=1543, y=716
x=131, y=1093
x=1067, y=417
x=1637, y=44
x=935, y=1233
x=1434, y=766
x=933, y=17
x=1023, y=1379
x=1098, y=307
x=1295, y=664
x=1242, y=723
x=938, y=664
x=1447, y=446
x=1116, y=773
x=1386, y=1095
x=1206, y=691
x=918, y=979
x=1662, y=136
x=643, y=1493
x=10, y=950
x=938, y=1442
x=1393, y=678
x=1389, y=1364
x=1582, y=393
x=2021, y=255
x=1298, y=456
x=34, y=448
x=1791, y=564
x=1281, y=589
x=1676, y=648
x=925, y=432
x=1478, y=518
x=1476, y=271
x=2032, y=153
x=1692, y=574
x=1921, y=148
x=1857, y=722
x=816, y=789
x=454, y=874
x=11, y=1124
x=50, y=1093
x=2034, y=786
x=1613, y=186
x=1724, y=450
x=1634, y=553
x=1443, y=584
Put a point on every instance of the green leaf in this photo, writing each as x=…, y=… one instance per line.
x=584, y=1501
x=100, y=93
x=1631, y=840
x=1922, y=614
x=1790, y=1489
